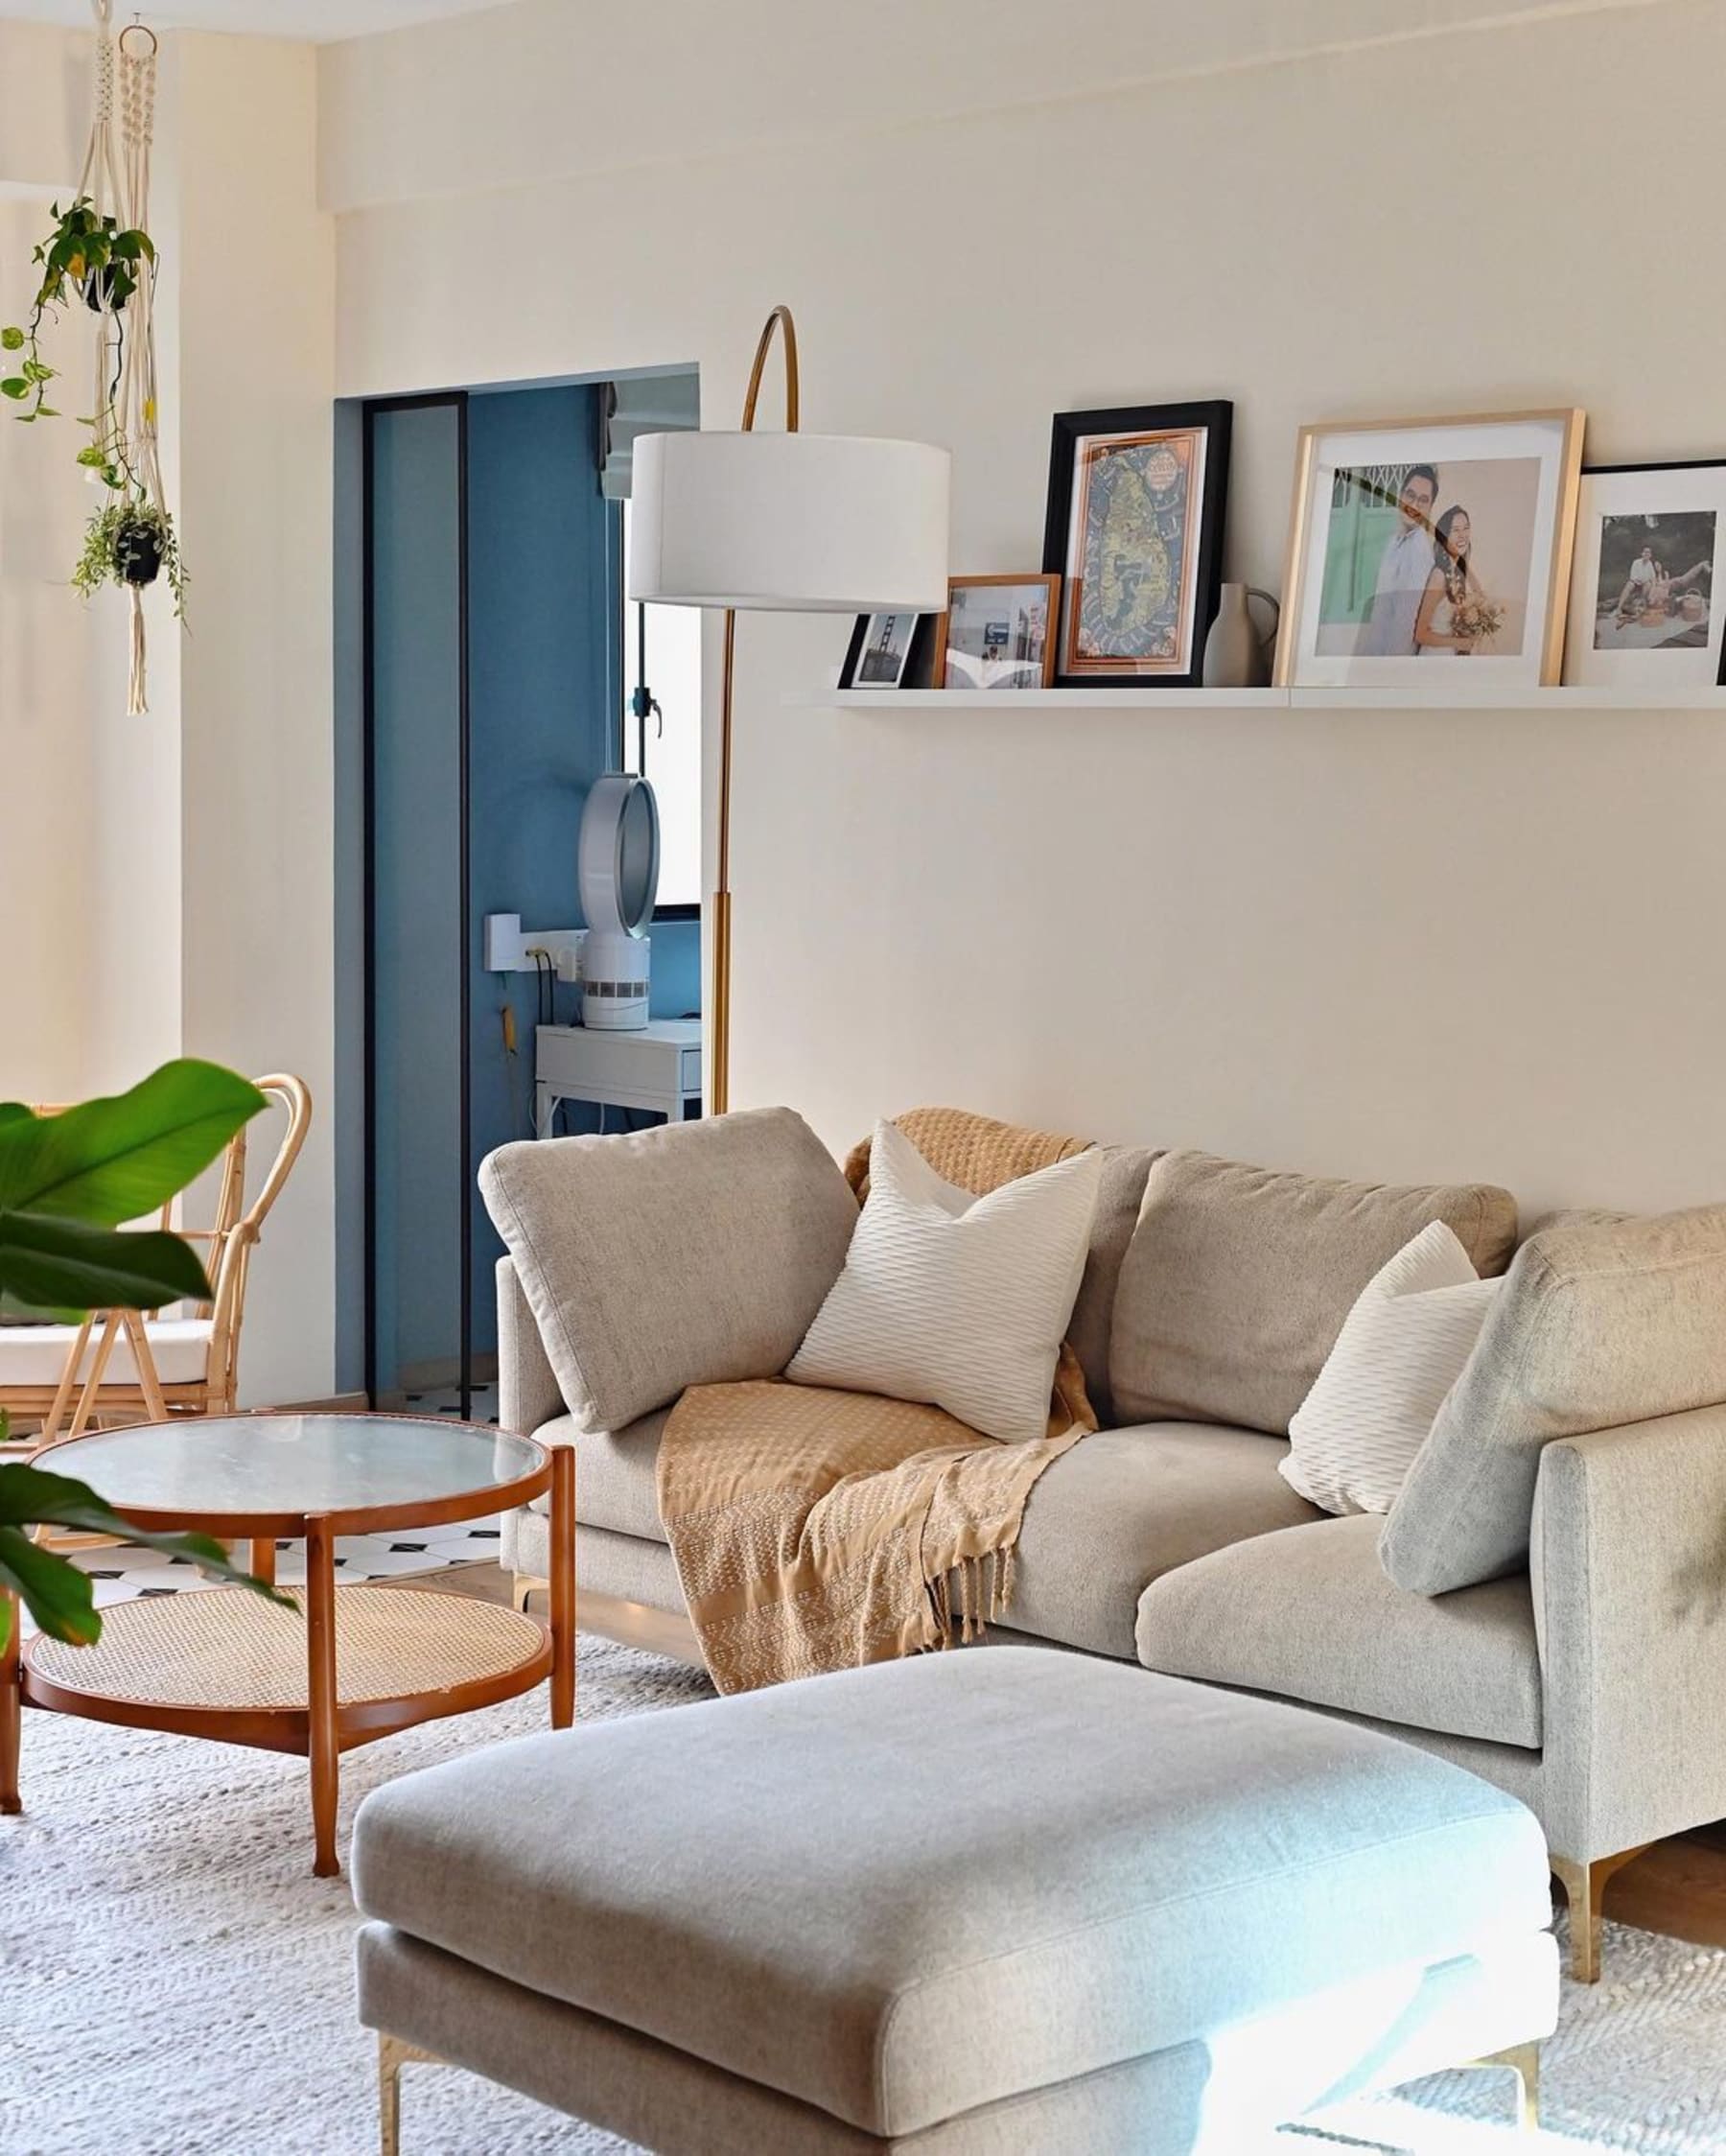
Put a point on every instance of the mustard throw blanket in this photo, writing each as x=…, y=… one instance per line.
x=818, y=1529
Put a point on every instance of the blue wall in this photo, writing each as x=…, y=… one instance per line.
x=545, y=681
x=543, y=692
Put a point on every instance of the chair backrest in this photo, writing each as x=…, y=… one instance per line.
x=238, y=1230
x=228, y=1243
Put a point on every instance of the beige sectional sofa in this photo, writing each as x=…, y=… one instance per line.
x=1556, y=1619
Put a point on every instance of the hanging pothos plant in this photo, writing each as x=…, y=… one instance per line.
x=130, y=540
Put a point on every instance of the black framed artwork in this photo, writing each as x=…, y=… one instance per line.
x=888, y=651
x=1134, y=527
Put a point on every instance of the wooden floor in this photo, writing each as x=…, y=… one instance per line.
x=1677, y=1887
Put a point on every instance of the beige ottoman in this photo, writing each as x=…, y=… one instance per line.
x=1011, y=1902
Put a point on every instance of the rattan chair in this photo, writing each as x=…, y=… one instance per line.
x=130, y=1366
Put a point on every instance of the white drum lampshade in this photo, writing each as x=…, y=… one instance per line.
x=790, y=522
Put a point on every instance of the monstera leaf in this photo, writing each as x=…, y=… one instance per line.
x=66, y=1184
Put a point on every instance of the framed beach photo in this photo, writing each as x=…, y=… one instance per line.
x=998, y=632
x=884, y=651
x=1647, y=603
x=1134, y=528
x=1416, y=541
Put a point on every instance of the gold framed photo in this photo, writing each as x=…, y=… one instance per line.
x=1416, y=541
x=998, y=632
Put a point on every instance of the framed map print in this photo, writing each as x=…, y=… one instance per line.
x=1134, y=527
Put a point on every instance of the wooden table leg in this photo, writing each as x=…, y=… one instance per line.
x=11, y=1700
x=562, y=1565
x=320, y=1692
x=264, y=1558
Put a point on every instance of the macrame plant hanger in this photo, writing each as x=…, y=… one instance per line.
x=117, y=183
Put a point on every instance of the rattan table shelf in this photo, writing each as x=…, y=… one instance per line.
x=343, y=1666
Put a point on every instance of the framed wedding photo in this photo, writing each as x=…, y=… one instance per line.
x=1644, y=614
x=1416, y=541
x=884, y=651
x=1134, y=528
x=998, y=632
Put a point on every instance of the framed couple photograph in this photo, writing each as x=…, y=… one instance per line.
x=1431, y=540
x=1643, y=610
x=1134, y=530
x=997, y=632
x=887, y=651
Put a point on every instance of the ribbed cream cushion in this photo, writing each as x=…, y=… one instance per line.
x=956, y=1300
x=1401, y=1349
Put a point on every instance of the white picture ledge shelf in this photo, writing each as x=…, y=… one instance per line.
x=1384, y=699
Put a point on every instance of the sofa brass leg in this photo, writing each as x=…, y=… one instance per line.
x=1523, y=2061
x=393, y=2053
x=1585, y=1891
x=522, y=1585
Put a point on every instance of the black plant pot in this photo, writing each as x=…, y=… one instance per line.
x=138, y=553
x=99, y=290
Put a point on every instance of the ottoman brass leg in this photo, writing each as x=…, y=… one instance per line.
x=1523, y=2061
x=393, y=2053
x=1584, y=1890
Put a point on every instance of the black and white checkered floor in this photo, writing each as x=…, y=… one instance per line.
x=126, y=1573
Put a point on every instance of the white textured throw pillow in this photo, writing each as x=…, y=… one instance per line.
x=1401, y=1349
x=958, y=1302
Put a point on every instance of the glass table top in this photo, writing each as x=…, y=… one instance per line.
x=244, y=1464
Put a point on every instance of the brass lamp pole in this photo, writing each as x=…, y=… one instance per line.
x=720, y=1082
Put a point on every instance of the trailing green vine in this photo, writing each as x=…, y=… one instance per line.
x=92, y=257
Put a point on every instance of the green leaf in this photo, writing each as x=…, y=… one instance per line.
x=11, y=340
x=93, y=457
x=57, y=1593
x=15, y=386
x=32, y=1497
x=116, y=1159
x=44, y=411
x=65, y=1265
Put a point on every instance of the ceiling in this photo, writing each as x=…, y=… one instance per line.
x=321, y=20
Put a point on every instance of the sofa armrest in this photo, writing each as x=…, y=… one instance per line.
x=1629, y=1574
x=527, y=1388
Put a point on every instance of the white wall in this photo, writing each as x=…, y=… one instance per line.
x=255, y=352
x=169, y=881
x=1392, y=944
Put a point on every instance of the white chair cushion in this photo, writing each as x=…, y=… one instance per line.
x=1401, y=1349
x=954, y=1299
x=36, y=1356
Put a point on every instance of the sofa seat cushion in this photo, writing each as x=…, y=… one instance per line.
x=616, y=1473
x=1237, y=1281
x=1310, y=1615
x=1124, y=1507
x=901, y=1892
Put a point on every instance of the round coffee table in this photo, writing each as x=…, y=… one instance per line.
x=339, y=1669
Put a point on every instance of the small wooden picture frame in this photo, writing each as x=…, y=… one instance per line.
x=998, y=632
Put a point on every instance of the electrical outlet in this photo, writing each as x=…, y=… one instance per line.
x=508, y=947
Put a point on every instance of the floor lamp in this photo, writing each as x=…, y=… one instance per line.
x=780, y=523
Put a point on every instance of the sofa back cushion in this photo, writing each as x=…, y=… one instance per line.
x=1600, y=1322
x=1237, y=1280
x=687, y=1256
x=1120, y=1192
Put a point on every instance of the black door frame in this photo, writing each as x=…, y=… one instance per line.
x=457, y=400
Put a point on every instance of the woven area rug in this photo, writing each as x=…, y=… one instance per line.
x=176, y=1984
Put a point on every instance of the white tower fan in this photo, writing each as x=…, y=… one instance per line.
x=617, y=867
